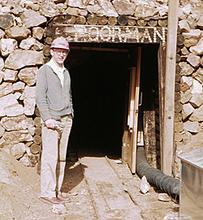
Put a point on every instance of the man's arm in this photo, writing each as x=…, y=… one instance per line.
x=41, y=94
x=41, y=99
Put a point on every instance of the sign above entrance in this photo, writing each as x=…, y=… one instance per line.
x=111, y=34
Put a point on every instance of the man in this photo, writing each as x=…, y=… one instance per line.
x=54, y=101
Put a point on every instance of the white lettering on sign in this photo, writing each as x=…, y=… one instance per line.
x=118, y=34
x=146, y=36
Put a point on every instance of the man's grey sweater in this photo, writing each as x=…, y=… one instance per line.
x=53, y=100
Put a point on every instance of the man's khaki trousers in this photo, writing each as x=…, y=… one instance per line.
x=53, y=159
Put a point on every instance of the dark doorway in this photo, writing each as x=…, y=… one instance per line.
x=99, y=80
x=149, y=110
x=100, y=85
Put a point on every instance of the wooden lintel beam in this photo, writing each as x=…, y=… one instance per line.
x=100, y=49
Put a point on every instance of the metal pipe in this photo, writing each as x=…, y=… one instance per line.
x=156, y=177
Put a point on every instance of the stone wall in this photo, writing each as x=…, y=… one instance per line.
x=22, y=52
x=189, y=80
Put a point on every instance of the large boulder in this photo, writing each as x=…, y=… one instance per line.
x=187, y=110
x=16, y=123
x=198, y=114
x=6, y=21
x=124, y=7
x=192, y=127
x=32, y=18
x=185, y=97
x=192, y=37
x=22, y=58
x=198, y=75
x=184, y=26
x=79, y=4
x=186, y=69
x=18, y=150
x=18, y=86
x=31, y=43
x=10, y=75
x=18, y=33
x=102, y=8
x=13, y=110
x=197, y=99
x=9, y=106
x=48, y=10
x=29, y=100
x=198, y=49
x=193, y=60
x=14, y=137
x=142, y=11
x=37, y=33
x=5, y=89
x=7, y=46
x=28, y=75
x=196, y=87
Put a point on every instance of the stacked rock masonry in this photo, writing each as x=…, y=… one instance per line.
x=24, y=47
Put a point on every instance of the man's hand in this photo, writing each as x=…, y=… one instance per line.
x=51, y=123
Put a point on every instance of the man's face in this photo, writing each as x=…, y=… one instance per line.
x=59, y=55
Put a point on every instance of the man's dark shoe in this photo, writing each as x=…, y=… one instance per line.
x=52, y=200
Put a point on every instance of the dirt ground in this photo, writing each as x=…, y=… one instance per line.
x=98, y=187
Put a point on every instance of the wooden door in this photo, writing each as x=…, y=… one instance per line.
x=161, y=76
x=130, y=133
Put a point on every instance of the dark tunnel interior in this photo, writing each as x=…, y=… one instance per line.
x=100, y=86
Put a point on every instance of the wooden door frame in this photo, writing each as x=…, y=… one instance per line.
x=131, y=34
x=169, y=90
x=163, y=105
x=161, y=85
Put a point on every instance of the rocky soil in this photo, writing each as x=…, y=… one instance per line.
x=22, y=51
x=108, y=192
x=24, y=48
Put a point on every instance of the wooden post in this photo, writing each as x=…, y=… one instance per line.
x=131, y=106
x=168, y=126
x=161, y=80
x=132, y=122
x=135, y=114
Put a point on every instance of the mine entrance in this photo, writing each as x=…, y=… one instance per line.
x=100, y=76
x=99, y=79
